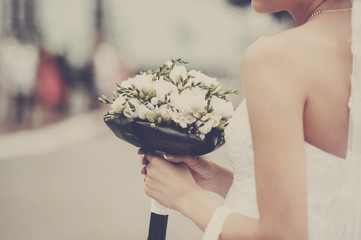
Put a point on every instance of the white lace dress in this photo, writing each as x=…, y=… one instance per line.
x=324, y=177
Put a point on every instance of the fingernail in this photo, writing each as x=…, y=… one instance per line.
x=169, y=156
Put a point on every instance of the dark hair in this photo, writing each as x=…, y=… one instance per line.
x=240, y=3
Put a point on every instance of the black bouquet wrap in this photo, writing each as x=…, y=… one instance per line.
x=164, y=138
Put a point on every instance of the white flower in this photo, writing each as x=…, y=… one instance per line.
x=197, y=91
x=178, y=71
x=117, y=105
x=127, y=83
x=143, y=111
x=221, y=107
x=214, y=119
x=142, y=82
x=168, y=63
x=187, y=102
x=182, y=120
x=165, y=113
x=163, y=88
x=206, y=128
x=209, y=81
x=207, y=122
x=154, y=101
x=131, y=108
x=198, y=77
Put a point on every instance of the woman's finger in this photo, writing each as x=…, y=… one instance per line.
x=141, y=151
x=175, y=159
x=151, y=158
x=144, y=161
x=143, y=171
x=170, y=157
x=189, y=160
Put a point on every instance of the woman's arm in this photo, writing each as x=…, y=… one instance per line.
x=275, y=100
x=276, y=95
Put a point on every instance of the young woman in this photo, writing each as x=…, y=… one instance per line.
x=287, y=141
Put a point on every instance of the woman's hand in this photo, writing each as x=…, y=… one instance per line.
x=207, y=174
x=168, y=183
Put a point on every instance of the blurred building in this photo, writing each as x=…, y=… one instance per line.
x=63, y=175
x=90, y=44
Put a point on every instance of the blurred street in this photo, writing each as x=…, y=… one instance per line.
x=63, y=174
x=83, y=188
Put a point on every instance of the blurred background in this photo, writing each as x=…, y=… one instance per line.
x=63, y=174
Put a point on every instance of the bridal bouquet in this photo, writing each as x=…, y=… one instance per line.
x=170, y=110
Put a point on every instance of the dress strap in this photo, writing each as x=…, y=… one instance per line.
x=215, y=225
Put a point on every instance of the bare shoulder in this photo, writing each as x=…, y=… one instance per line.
x=300, y=57
x=308, y=47
x=286, y=48
x=275, y=60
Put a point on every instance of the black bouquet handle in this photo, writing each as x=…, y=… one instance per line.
x=157, y=227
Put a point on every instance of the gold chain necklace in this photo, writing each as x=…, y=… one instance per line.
x=326, y=11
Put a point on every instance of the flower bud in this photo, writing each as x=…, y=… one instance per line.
x=101, y=100
x=144, y=91
x=154, y=101
x=196, y=114
x=150, y=117
x=126, y=113
x=115, y=94
x=221, y=127
x=152, y=93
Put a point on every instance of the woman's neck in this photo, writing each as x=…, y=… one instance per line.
x=301, y=13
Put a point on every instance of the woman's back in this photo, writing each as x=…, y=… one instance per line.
x=326, y=115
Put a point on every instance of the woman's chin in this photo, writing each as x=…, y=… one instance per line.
x=261, y=6
x=258, y=7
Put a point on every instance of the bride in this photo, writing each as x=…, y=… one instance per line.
x=287, y=142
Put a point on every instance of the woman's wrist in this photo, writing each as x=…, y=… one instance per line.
x=198, y=206
x=187, y=199
x=221, y=180
x=208, y=174
x=225, y=180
